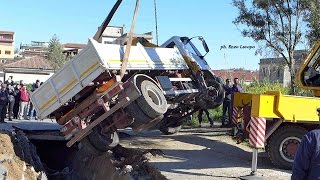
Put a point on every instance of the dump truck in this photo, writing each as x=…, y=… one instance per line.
x=287, y=118
x=161, y=86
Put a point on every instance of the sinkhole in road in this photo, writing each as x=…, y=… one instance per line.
x=122, y=163
x=54, y=154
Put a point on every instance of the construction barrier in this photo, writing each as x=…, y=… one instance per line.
x=235, y=115
x=257, y=132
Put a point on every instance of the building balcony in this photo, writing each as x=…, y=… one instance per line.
x=6, y=40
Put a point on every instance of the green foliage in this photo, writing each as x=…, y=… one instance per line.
x=312, y=17
x=261, y=87
x=215, y=114
x=303, y=92
x=275, y=25
x=29, y=87
x=17, y=58
x=55, y=52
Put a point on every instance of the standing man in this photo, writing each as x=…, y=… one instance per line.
x=236, y=86
x=24, y=100
x=32, y=111
x=16, y=101
x=208, y=116
x=9, y=81
x=226, y=103
x=11, y=96
x=3, y=102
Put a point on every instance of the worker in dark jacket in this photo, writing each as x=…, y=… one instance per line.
x=16, y=101
x=11, y=99
x=236, y=87
x=32, y=112
x=4, y=99
x=227, y=103
x=306, y=163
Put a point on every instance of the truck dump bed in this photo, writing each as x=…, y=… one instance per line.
x=91, y=62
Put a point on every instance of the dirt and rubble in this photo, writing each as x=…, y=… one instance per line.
x=21, y=159
x=118, y=163
x=18, y=157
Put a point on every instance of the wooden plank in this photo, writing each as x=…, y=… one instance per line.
x=87, y=102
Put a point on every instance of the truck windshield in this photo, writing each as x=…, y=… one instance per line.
x=190, y=46
x=311, y=73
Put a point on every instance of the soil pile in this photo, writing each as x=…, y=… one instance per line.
x=13, y=158
x=118, y=163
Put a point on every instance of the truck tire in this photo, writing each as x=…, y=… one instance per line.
x=283, y=144
x=152, y=102
x=171, y=125
x=103, y=141
x=218, y=93
x=219, y=90
x=88, y=148
x=140, y=120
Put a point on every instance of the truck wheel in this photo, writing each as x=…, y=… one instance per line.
x=103, y=141
x=171, y=125
x=140, y=120
x=87, y=147
x=283, y=144
x=216, y=92
x=152, y=102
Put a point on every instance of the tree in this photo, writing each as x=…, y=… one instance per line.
x=312, y=17
x=55, y=52
x=275, y=25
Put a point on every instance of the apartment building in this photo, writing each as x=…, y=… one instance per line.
x=6, y=46
x=35, y=48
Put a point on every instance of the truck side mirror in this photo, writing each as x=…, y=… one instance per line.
x=205, y=46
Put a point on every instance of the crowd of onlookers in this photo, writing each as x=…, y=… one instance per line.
x=15, y=101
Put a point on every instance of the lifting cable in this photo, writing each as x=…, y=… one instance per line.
x=156, y=19
x=129, y=42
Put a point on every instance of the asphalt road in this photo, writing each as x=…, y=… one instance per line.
x=202, y=153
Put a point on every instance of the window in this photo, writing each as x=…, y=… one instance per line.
x=0, y=51
x=7, y=52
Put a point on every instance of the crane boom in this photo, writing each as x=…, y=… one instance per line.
x=106, y=22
